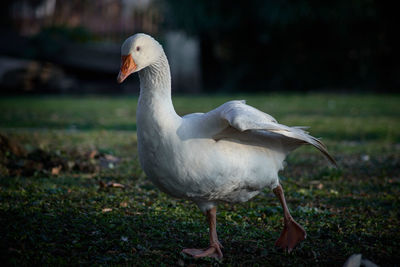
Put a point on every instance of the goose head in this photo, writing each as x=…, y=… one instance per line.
x=138, y=52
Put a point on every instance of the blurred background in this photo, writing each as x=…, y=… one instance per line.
x=72, y=47
x=72, y=191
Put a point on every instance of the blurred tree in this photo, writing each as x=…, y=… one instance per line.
x=300, y=45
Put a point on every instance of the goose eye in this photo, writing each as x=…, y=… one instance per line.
x=137, y=48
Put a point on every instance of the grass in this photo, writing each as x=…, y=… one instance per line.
x=68, y=218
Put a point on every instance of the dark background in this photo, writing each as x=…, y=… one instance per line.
x=51, y=46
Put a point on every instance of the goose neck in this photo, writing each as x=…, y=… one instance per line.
x=155, y=90
x=155, y=80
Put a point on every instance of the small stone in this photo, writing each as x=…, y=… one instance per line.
x=365, y=157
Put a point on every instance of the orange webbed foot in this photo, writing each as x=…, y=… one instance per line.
x=214, y=251
x=291, y=235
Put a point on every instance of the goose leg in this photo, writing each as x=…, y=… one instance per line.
x=214, y=250
x=292, y=232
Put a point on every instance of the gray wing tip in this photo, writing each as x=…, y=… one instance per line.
x=321, y=147
x=324, y=150
x=332, y=161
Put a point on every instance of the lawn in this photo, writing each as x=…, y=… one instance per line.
x=72, y=191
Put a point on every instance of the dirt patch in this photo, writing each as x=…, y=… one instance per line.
x=16, y=161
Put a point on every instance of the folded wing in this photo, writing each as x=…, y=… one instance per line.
x=247, y=123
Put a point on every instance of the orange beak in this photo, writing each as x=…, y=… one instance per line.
x=128, y=66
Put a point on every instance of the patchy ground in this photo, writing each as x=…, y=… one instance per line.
x=72, y=191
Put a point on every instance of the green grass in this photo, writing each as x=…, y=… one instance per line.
x=61, y=219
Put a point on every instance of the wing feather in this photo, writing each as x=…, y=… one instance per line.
x=245, y=118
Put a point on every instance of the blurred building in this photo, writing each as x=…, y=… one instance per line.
x=107, y=19
x=88, y=35
x=214, y=45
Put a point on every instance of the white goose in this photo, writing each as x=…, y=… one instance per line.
x=226, y=155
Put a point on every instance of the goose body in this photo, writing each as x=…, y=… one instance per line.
x=186, y=158
x=228, y=154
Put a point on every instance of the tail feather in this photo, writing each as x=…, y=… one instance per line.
x=321, y=147
x=303, y=136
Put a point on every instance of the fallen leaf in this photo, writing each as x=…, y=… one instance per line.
x=106, y=210
x=117, y=185
x=56, y=170
x=111, y=158
x=110, y=184
x=93, y=154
